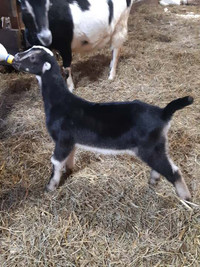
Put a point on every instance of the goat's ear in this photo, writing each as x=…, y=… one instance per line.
x=46, y=67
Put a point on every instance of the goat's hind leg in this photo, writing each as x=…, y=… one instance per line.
x=163, y=165
x=59, y=162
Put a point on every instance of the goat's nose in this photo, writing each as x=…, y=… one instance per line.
x=45, y=37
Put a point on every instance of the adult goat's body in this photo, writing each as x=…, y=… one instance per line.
x=133, y=127
x=79, y=26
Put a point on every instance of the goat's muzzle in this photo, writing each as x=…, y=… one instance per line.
x=16, y=62
x=45, y=37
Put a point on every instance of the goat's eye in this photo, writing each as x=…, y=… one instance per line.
x=32, y=58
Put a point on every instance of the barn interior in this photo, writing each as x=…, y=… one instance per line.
x=106, y=213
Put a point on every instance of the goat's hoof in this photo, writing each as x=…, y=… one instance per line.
x=182, y=190
x=50, y=188
x=71, y=88
x=154, y=182
x=154, y=178
x=111, y=77
x=184, y=195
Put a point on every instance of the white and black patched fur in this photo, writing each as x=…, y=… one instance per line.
x=78, y=26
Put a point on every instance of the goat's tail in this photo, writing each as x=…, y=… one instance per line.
x=176, y=104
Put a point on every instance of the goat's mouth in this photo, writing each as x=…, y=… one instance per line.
x=16, y=64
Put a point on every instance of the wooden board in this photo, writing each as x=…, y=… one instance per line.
x=11, y=39
x=8, y=8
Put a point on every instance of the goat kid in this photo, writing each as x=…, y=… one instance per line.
x=78, y=26
x=135, y=127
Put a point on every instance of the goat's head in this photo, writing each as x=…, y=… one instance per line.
x=36, y=60
x=35, y=18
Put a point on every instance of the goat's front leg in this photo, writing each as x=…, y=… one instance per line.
x=59, y=164
x=66, y=55
x=113, y=63
x=69, y=80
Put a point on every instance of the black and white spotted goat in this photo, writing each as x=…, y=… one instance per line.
x=133, y=127
x=77, y=25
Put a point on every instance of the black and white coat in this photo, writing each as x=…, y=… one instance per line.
x=136, y=128
x=78, y=26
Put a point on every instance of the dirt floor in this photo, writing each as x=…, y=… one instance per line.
x=105, y=214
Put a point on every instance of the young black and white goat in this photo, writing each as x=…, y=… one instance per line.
x=78, y=26
x=134, y=127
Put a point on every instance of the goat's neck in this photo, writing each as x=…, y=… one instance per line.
x=54, y=88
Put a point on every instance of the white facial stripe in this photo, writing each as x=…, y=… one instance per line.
x=58, y=168
x=44, y=48
x=30, y=9
x=28, y=54
x=174, y=167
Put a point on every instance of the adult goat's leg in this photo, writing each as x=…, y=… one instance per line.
x=66, y=55
x=113, y=63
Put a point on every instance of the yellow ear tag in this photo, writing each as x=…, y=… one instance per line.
x=9, y=59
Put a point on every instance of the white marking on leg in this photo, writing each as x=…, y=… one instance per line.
x=70, y=83
x=154, y=177
x=180, y=185
x=58, y=169
x=174, y=167
x=113, y=64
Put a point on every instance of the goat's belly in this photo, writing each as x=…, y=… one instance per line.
x=91, y=27
x=83, y=43
x=108, y=151
x=91, y=36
